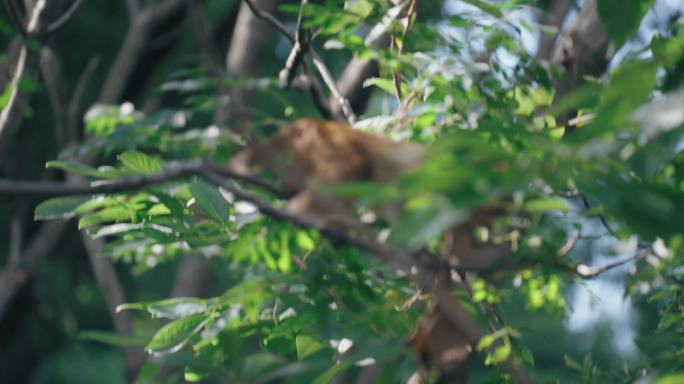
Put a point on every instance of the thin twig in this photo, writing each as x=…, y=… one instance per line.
x=400, y=47
x=267, y=16
x=589, y=272
x=317, y=61
x=204, y=38
x=165, y=38
x=299, y=49
x=57, y=24
x=569, y=244
x=332, y=86
x=601, y=218
x=49, y=66
x=74, y=108
x=16, y=274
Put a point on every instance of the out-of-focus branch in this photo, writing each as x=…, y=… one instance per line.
x=583, y=49
x=399, y=43
x=204, y=39
x=110, y=286
x=75, y=106
x=350, y=83
x=143, y=21
x=21, y=265
x=299, y=49
x=26, y=67
x=248, y=42
x=59, y=23
x=339, y=98
x=13, y=12
x=103, y=268
x=424, y=265
x=553, y=19
x=51, y=71
x=132, y=6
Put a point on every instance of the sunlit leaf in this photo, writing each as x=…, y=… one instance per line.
x=175, y=335
x=113, y=338
x=59, y=207
x=210, y=200
x=140, y=163
x=621, y=19
x=307, y=345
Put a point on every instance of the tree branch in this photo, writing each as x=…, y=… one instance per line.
x=26, y=67
x=299, y=49
x=176, y=171
x=59, y=23
x=13, y=13
x=110, y=286
x=328, y=79
x=75, y=104
x=20, y=267
x=134, y=45
x=590, y=272
x=423, y=264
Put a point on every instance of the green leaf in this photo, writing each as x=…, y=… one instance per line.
x=330, y=374
x=571, y=363
x=371, y=192
x=195, y=374
x=546, y=205
x=423, y=219
x=112, y=214
x=103, y=172
x=171, y=203
x=486, y=7
x=177, y=308
x=175, y=335
x=59, y=207
x=113, y=338
x=140, y=163
x=6, y=95
x=307, y=346
x=210, y=200
x=673, y=378
x=500, y=354
x=386, y=85
x=485, y=342
x=630, y=87
x=621, y=18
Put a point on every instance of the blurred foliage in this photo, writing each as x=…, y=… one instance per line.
x=290, y=306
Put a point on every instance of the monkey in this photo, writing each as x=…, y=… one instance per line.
x=310, y=154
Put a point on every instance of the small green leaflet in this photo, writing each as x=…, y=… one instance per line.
x=486, y=7
x=59, y=207
x=386, y=85
x=546, y=205
x=621, y=18
x=175, y=335
x=140, y=163
x=113, y=338
x=210, y=200
x=175, y=308
x=307, y=346
x=103, y=172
